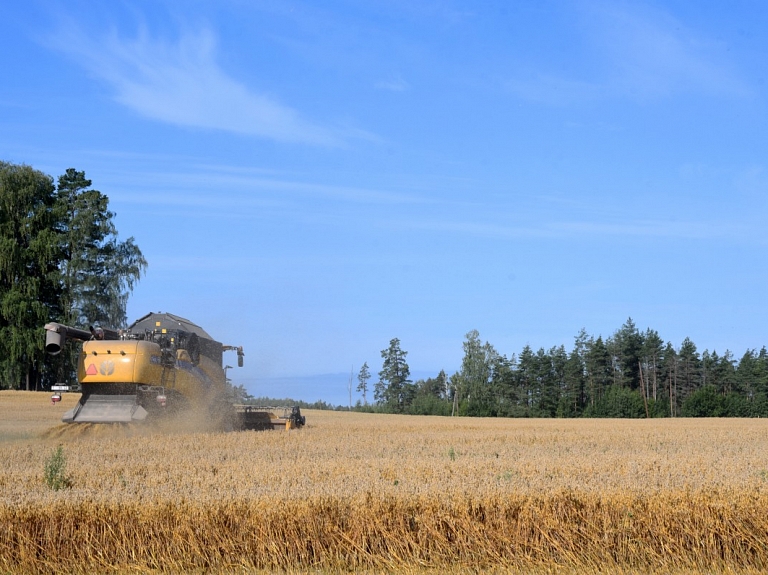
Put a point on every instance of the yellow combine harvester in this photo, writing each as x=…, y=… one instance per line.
x=161, y=364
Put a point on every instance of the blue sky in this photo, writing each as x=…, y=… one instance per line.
x=313, y=179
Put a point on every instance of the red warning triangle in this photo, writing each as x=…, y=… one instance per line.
x=91, y=370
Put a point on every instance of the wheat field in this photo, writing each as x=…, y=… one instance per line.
x=383, y=493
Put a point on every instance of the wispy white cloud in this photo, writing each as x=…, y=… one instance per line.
x=181, y=83
x=752, y=180
x=195, y=187
x=654, y=53
x=581, y=229
x=396, y=84
x=551, y=89
x=636, y=51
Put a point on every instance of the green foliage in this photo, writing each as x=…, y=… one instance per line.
x=60, y=260
x=658, y=408
x=705, y=402
x=55, y=473
x=98, y=271
x=739, y=406
x=709, y=402
x=618, y=402
x=628, y=344
x=30, y=290
x=473, y=381
x=431, y=397
x=423, y=404
x=394, y=390
x=631, y=374
x=240, y=394
x=362, y=378
x=319, y=404
x=566, y=408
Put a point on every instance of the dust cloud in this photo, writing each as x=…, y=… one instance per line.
x=187, y=421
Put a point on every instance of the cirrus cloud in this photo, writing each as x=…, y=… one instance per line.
x=181, y=83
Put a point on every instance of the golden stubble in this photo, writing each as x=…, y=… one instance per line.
x=384, y=492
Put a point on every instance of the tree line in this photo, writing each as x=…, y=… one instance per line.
x=60, y=260
x=631, y=374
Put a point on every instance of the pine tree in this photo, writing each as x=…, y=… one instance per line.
x=689, y=374
x=526, y=380
x=394, y=388
x=362, y=377
x=599, y=370
x=653, y=348
x=629, y=344
x=98, y=271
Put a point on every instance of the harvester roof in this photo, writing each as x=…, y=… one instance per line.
x=153, y=321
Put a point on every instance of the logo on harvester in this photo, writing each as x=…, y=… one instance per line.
x=107, y=367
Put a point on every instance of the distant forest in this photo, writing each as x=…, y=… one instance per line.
x=631, y=374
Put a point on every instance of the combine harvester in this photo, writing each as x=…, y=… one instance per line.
x=161, y=365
